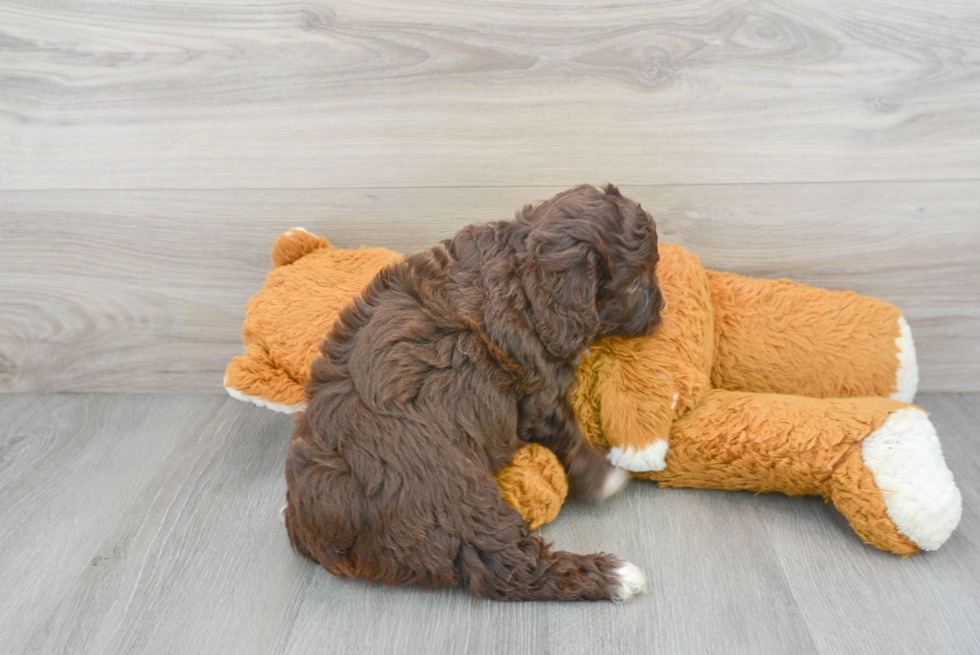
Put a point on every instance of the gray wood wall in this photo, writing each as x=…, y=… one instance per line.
x=150, y=153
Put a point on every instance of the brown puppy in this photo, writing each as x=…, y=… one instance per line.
x=447, y=364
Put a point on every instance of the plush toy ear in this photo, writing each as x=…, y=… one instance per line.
x=561, y=283
x=294, y=244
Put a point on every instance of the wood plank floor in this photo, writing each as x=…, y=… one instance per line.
x=149, y=524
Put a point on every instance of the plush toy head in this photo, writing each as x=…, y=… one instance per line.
x=310, y=282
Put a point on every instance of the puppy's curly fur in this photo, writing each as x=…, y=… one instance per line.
x=447, y=364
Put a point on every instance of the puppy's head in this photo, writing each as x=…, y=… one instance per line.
x=590, y=268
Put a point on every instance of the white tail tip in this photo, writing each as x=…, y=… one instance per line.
x=632, y=581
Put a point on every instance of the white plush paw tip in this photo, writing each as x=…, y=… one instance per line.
x=640, y=460
x=907, y=463
x=630, y=582
x=614, y=483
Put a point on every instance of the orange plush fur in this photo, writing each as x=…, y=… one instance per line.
x=764, y=385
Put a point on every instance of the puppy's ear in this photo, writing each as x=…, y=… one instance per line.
x=561, y=281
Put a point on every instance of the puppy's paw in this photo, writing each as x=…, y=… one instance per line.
x=591, y=476
x=616, y=480
x=629, y=581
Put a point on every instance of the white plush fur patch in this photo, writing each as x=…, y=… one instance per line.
x=650, y=458
x=262, y=402
x=907, y=377
x=907, y=463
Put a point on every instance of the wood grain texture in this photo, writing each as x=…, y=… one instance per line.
x=146, y=290
x=74, y=464
x=149, y=524
x=374, y=93
x=203, y=542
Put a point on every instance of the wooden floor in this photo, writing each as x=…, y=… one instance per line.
x=149, y=524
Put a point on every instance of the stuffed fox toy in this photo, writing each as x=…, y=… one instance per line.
x=750, y=384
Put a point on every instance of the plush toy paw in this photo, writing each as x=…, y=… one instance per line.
x=638, y=460
x=534, y=484
x=907, y=463
x=896, y=490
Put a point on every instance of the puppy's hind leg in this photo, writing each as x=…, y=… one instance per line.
x=502, y=562
x=551, y=422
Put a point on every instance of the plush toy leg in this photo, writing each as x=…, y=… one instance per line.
x=878, y=460
x=777, y=336
x=630, y=390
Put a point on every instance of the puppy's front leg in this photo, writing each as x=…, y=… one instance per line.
x=550, y=421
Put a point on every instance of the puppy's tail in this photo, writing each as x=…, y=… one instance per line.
x=503, y=562
x=530, y=570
